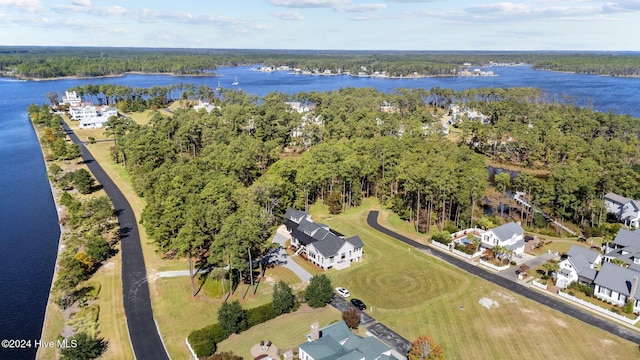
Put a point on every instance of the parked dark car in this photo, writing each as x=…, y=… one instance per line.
x=359, y=304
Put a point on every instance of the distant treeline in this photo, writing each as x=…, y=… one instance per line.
x=51, y=62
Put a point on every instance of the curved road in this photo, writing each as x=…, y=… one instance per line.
x=143, y=332
x=584, y=316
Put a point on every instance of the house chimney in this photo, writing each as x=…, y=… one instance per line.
x=315, y=331
x=634, y=287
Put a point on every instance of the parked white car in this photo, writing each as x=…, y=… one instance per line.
x=343, y=292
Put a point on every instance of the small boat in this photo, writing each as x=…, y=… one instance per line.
x=235, y=82
x=218, y=88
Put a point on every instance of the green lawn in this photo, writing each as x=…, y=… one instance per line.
x=415, y=294
x=286, y=331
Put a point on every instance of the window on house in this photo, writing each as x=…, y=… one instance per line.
x=622, y=298
x=607, y=292
x=342, y=256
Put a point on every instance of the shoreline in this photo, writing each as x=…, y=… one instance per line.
x=73, y=77
x=63, y=231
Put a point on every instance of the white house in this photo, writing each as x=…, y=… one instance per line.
x=71, y=98
x=320, y=244
x=100, y=115
x=625, y=209
x=208, y=107
x=82, y=111
x=617, y=284
x=509, y=236
x=580, y=265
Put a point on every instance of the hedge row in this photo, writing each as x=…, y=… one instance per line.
x=204, y=341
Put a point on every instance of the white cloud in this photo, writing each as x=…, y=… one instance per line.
x=622, y=6
x=309, y=3
x=362, y=8
x=510, y=12
x=24, y=5
x=289, y=15
x=82, y=2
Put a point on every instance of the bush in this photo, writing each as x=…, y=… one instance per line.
x=319, y=292
x=351, y=317
x=204, y=341
x=442, y=237
x=283, y=300
x=223, y=356
x=83, y=346
x=450, y=227
x=232, y=317
x=467, y=249
x=628, y=307
x=260, y=314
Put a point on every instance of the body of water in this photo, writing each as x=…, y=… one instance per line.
x=29, y=230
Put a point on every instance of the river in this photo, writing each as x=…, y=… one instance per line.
x=29, y=230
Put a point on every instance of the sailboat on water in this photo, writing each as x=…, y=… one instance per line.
x=235, y=82
x=219, y=87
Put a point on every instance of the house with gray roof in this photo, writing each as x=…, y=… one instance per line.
x=336, y=342
x=579, y=265
x=509, y=236
x=625, y=248
x=625, y=209
x=617, y=284
x=320, y=244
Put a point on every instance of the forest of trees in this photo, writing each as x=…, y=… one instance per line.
x=217, y=182
x=51, y=62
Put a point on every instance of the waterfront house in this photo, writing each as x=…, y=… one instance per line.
x=579, y=265
x=509, y=236
x=208, y=107
x=319, y=244
x=71, y=98
x=336, y=341
x=98, y=116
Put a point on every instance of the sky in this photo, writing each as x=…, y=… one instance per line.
x=325, y=24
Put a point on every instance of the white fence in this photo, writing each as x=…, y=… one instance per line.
x=465, y=255
x=474, y=231
x=440, y=245
x=193, y=353
x=494, y=267
x=598, y=308
x=538, y=284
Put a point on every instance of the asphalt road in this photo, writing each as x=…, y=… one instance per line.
x=143, y=332
x=568, y=309
x=382, y=332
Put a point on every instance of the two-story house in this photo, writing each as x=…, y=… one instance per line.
x=510, y=236
x=579, y=265
x=320, y=244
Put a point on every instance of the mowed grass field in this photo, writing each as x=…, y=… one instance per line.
x=416, y=294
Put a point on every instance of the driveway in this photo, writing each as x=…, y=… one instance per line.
x=379, y=330
x=143, y=332
x=554, y=304
x=282, y=235
x=531, y=261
